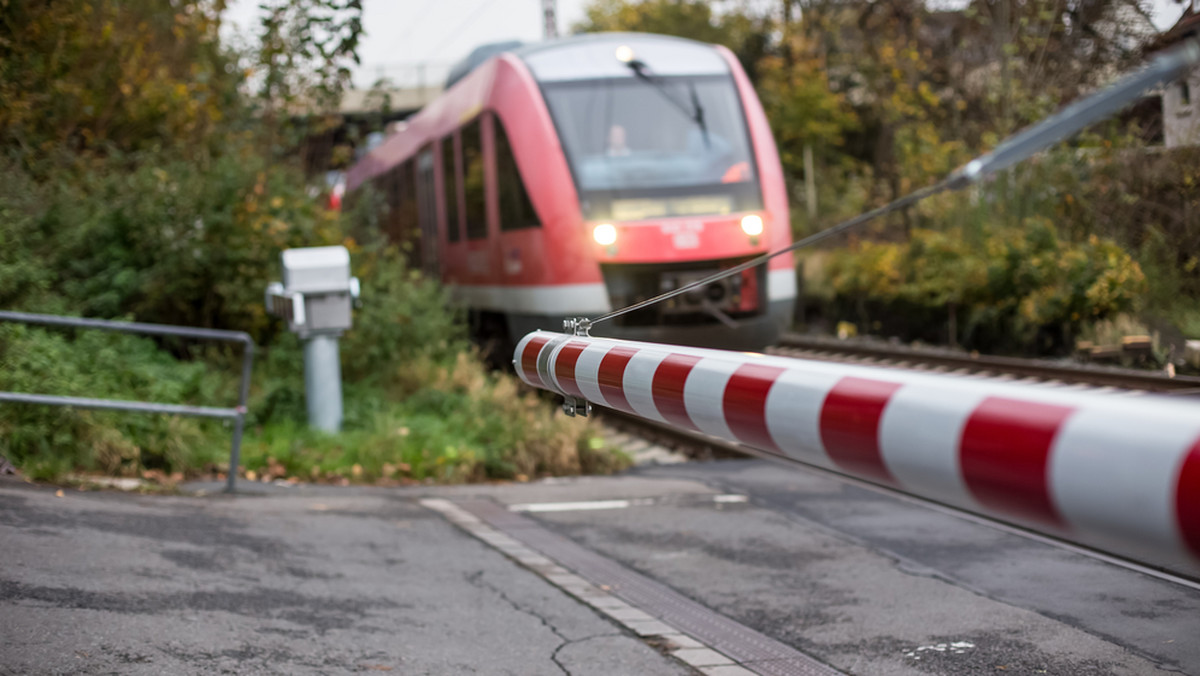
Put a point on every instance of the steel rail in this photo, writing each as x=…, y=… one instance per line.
x=1030, y=368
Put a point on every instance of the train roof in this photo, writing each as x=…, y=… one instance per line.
x=579, y=58
x=592, y=56
x=477, y=56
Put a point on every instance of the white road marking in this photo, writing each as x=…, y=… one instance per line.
x=956, y=648
x=591, y=505
x=570, y=506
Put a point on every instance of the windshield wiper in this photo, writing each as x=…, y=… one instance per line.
x=695, y=112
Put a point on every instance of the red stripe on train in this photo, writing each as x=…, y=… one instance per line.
x=1187, y=499
x=529, y=360
x=611, y=377
x=667, y=388
x=850, y=425
x=1005, y=451
x=745, y=404
x=564, y=367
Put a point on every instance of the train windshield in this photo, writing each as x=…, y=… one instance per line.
x=646, y=148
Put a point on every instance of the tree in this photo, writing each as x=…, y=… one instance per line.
x=745, y=34
x=306, y=50
x=102, y=75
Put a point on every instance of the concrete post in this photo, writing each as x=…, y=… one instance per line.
x=323, y=382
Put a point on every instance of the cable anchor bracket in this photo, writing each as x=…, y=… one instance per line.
x=572, y=405
x=578, y=326
x=576, y=406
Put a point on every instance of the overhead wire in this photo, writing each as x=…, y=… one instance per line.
x=472, y=16
x=416, y=20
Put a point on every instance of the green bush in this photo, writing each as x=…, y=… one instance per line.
x=1021, y=288
x=49, y=442
x=464, y=424
x=157, y=237
x=142, y=181
x=114, y=248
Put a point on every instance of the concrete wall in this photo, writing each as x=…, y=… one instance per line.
x=1181, y=122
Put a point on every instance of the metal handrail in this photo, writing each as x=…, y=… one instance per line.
x=237, y=413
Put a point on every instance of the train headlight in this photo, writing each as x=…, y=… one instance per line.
x=605, y=234
x=752, y=225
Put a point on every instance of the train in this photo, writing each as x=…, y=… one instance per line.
x=572, y=177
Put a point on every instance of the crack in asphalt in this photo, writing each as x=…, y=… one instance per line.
x=476, y=580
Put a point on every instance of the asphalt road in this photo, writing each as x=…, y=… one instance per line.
x=298, y=582
x=324, y=580
x=865, y=581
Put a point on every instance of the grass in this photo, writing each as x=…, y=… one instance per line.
x=464, y=424
x=420, y=406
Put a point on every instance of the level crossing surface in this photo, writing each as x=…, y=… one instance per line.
x=346, y=580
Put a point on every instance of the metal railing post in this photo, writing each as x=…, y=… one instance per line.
x=235, y=453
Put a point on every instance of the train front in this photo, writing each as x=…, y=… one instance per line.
x=678, y=177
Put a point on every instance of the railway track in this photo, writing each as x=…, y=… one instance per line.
x=938, y=360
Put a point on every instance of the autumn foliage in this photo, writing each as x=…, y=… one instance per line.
x=890, y=96
x=149, y=172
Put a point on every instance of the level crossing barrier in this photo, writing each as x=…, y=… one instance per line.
x=237, y=413
x=1117, y=472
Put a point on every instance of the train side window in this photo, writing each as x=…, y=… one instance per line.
x=392, y=187
x=406, y=216
x=427, y=211
x=473, y=181
x=450, y=182
x=516, y=211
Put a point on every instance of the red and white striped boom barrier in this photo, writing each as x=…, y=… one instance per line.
x=1117, y=472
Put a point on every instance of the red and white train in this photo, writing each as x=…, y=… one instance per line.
x=573, y=177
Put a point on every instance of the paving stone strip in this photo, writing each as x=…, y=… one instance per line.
x=707, y=641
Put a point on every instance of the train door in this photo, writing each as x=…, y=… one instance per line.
x=400, y=220
x=452, y=210
x=427, y=214
x=480, y=268
x=521, y=241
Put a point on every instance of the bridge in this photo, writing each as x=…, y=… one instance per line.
x=402, y=88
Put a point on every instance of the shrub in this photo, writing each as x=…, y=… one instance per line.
x=1016, y=288
x=49, y=442
x=464, y=424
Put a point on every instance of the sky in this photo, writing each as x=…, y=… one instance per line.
x=403, y=34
